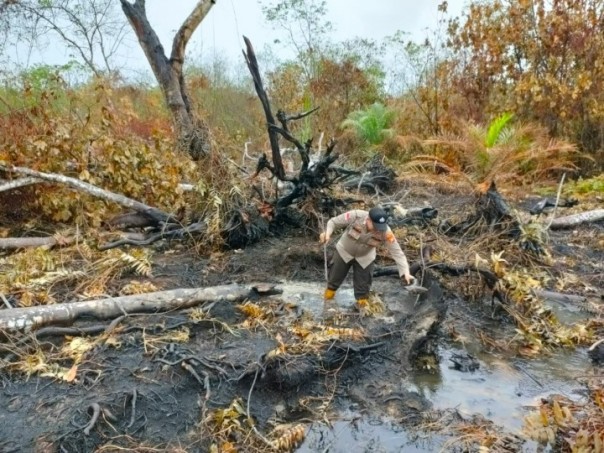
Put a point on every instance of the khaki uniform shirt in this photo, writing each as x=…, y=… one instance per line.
x=360, y=244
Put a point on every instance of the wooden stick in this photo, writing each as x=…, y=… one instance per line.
x=557, y=201
x=5, y=300
x=32, y=242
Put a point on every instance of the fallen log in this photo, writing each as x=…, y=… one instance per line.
x=570, y=221
x=32, y=242
x=560, y=297
x=28, y=318
x=15, y=184
x=130, y=220
x=544, y=203
x=157, y=215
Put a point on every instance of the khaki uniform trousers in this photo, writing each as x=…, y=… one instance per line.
x=361, y=278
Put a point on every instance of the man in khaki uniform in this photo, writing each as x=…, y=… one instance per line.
x=365, y=231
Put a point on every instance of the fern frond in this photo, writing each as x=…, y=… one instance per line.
x=140, y=264
x=288, y=439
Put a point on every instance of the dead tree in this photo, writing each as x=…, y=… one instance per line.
x=309, y=186
x=309, y=177
x=249, y=223
x=193, y=132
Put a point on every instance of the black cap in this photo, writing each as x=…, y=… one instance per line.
x=379, y=217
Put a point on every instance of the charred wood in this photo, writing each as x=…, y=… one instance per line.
x=180, y=233
x=545, y=203
x=131, y=220
x=373, y=178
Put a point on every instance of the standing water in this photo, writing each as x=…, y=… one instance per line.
x=501, y=390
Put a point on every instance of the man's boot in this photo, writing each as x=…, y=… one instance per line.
x=329, y=294
x=362, y=303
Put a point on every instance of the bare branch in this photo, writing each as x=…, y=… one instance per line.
x=187, y=29
x=15, y=184
x=252, y=64
x=154, y=213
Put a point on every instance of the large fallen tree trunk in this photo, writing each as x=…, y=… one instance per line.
x=32, y=242
x=157, y=215
x=570, y=221
x=17, y=183
x=27, y=318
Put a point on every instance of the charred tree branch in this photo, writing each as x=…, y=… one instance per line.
x=252, y=64
x=171, y=234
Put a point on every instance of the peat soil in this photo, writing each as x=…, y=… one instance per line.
x=151, y=382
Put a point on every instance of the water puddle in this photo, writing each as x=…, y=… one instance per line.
x=364, y=435
x=500, y=390
x=309, y=296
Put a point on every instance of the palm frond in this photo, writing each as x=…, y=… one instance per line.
x=495, y=129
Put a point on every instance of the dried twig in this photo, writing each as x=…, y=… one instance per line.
x=133, y=414
x=96, y=411
x=5, y=300
x=557, y=201
x=249, y=399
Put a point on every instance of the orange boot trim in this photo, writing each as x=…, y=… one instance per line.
x=329, y=294
x=363, y=302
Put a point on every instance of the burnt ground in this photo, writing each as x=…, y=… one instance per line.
x=45, y=414
x=156, y=380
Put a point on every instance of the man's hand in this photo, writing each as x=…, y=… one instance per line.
x=408, y=278
x=324, y=238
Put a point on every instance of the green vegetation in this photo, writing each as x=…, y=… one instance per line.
x=372, y=125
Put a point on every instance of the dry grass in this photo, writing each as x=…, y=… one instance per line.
x=522, y=154
x=561, y=423
x=475, y=434
x=39, y=276
x=231, y=429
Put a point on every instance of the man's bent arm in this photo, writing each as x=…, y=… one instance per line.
x=341, y=221
x=397, y=254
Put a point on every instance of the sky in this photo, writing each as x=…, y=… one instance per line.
x=220, y=34
x=221, y=30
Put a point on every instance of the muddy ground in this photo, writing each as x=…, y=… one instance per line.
x=156, y=380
